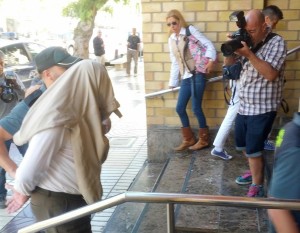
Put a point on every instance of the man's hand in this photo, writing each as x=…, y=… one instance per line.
x=16, y=201
x=32, y=89
x=106, y=125
x=244, y=51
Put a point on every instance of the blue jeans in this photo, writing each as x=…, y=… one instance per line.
x=22, y=150
x=191, y=88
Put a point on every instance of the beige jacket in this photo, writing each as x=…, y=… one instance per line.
x=79, y=100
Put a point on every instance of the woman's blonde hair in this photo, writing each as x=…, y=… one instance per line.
x=177, y=15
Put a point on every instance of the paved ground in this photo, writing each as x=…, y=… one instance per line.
x=127, y=155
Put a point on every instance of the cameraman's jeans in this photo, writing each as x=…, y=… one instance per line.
x=229, y=119
x=3, y=191
x=191, y=88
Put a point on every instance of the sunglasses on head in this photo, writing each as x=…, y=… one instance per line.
x=173, y=23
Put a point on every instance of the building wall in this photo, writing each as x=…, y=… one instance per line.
x=211, y=17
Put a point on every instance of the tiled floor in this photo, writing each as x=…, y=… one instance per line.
x=128, y=140
x=4, y=217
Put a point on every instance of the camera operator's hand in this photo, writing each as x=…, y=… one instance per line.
x=229, y=36
x=244, y=51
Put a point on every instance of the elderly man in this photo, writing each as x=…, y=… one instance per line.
x=66, y=134
x=11, y=123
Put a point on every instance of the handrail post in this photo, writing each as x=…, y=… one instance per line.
x=170, y=218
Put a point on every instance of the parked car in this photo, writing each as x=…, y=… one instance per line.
x=19, y=57
x=9, y=35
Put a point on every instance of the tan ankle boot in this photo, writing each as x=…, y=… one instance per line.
x=188, y=139
x=203, y=141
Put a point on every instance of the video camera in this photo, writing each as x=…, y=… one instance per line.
x=230, y=46
x=7, y=92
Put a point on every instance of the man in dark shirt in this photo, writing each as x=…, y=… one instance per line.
x=133, y=47
x=99, y=48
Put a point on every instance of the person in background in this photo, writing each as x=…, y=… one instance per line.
x=99, y=50
x=133, y=48
x=272, y=15
x=192, y=85
x=225, y=128
x=285, y=179
x=12, y=90
x=260, y=93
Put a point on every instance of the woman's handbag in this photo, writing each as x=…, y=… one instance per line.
x=194, y=54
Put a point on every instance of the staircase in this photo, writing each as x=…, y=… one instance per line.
x=193, y=173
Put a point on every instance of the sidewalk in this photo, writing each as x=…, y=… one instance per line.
x=128, y=149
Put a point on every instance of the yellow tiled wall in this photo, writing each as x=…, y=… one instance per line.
x=211, y=17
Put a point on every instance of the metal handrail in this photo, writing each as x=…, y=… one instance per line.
x=170, y=199
x=153, y=94
x=210, y=80
x=294, y=50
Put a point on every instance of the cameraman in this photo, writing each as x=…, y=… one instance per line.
x=261, y=84
x=272, y=15
x=12, y=91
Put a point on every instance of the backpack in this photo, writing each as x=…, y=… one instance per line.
x=194, y=54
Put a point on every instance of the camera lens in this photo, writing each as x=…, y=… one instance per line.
x=7, y=95
x=229, y=47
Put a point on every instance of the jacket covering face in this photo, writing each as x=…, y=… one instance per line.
x=79, y=100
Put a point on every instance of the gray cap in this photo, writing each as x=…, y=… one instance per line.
x=54, y=56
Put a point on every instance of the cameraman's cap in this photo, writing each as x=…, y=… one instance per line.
x=54, y=56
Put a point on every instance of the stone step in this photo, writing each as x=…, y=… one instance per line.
x=193, y=173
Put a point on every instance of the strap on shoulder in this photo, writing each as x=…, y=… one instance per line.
x=30, y=100
x=187, y=31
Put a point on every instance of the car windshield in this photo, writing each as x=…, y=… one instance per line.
x=15, y=55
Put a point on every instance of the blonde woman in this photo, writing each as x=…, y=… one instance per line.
x=192, y=84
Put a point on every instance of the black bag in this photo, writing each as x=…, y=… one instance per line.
x=232, y=71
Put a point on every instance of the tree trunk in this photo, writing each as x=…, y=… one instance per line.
x=82, y=36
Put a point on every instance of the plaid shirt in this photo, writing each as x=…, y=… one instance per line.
x=257, y=94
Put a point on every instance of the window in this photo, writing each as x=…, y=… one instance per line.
x=34, y=49
x=15, y=55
